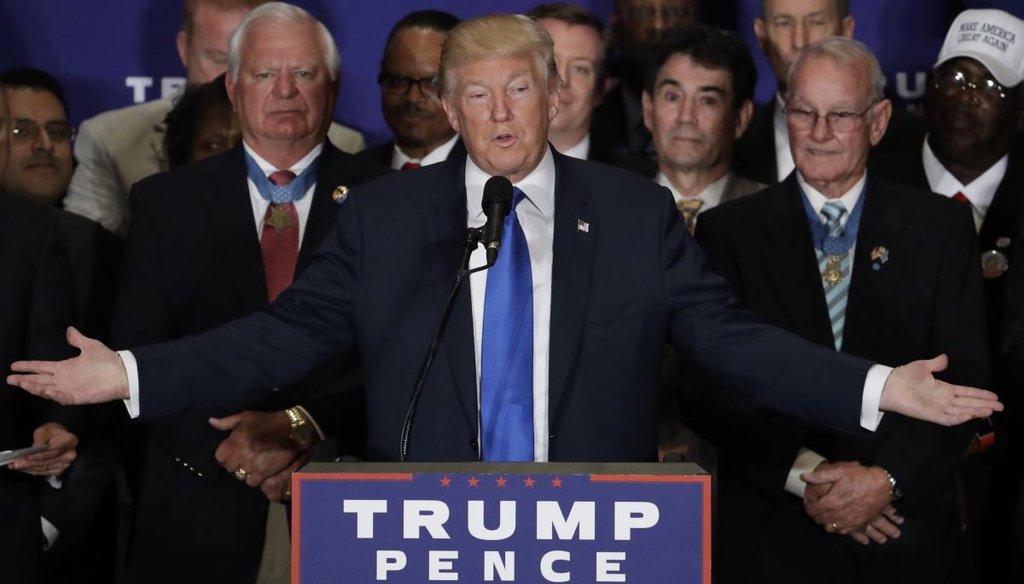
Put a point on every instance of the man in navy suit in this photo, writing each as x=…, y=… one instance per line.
x=614, y=275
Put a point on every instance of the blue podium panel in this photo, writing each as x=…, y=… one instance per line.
x=475, y=522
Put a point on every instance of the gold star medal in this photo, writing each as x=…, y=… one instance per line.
x=279, y=218
x=833, y=273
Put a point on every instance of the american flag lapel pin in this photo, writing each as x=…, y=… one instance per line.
x=583, y=226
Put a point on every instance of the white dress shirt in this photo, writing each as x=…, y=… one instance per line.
x=979, y=192
x=581, y=150
x=711, y=195
x=783, y=155
x=439, y=154
x=537, y=217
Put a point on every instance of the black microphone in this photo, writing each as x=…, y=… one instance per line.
x=496, y=202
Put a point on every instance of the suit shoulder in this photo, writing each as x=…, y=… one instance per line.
x=145, y=115
x=920, y=201
x=614, y=182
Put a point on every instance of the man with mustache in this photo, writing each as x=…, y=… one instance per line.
x=409, y=98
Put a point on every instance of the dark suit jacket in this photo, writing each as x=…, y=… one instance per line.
x=754, y=156
x=35, y=308
x=381, y=154
x=907, y=167
x=925, y=300
x=192, y=263
x=626, y=278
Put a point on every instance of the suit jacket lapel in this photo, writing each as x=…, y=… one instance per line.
x=228, y=205
x=334, y=171
x=571, y=270
x=881, y=224
x=793, y=266
x=446, y=228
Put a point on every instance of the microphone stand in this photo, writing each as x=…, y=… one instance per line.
x=469, y=245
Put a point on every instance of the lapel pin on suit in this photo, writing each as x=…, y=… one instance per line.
x=879, y=255
x=583, y=226
x=340, y=194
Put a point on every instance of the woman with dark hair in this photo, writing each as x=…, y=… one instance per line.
x=202, y=123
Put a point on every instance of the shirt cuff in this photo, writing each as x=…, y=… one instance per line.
x=132, y=369
x=874, y=383
x=806, y=461
x=312, y=422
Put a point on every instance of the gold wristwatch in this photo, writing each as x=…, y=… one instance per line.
x=303, y=434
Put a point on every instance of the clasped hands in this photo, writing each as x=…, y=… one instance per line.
x=851, y=499
x=61, y=451
x=260, y=452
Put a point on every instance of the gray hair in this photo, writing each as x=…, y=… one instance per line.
x=282, y=13
x=847, y=52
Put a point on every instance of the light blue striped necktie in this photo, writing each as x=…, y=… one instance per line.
x=832, y=257
x=506, y=353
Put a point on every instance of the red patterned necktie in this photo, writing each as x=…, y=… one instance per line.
x=410, y=165
x=279, y=241
x=961, y=198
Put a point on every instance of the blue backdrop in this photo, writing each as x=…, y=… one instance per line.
x=111, y=53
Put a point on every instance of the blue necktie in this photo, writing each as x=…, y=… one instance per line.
x=835, y=294
x=506, y=360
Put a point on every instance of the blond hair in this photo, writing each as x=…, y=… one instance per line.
x=497, y=36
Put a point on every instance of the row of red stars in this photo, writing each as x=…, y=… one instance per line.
x=501, y=482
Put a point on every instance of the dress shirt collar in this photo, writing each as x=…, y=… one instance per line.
x=979, y=192
x=539, y=186
x=783, y=156
x=711, y=195
x=818, y=200
x=439, y=154
x=581, y=150
x=297, y=168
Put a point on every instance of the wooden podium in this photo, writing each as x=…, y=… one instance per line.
x=507, y=522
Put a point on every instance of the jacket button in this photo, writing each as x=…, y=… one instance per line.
x=473, y=444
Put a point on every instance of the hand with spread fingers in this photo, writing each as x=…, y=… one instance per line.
x=96, y=375
x=60, y=452
x=912, y=390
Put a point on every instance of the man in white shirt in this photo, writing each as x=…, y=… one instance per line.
x=214, y=241
x=867, y=268
x=117, y=148
x=613, y=275
x=697, y=103
x=409, y=98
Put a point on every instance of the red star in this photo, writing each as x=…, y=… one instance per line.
x=556, y=483
x=474, y=482
x=528, y=481
x=501, y=482
x=446, y=482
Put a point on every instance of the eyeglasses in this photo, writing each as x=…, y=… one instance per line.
x=24, y=130
x=391, y=84
x=805, y=119
x=952, y=81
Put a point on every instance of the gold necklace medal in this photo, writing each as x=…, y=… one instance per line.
x=279, y=218
x=833, y=273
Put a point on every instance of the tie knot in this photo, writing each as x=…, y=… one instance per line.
x=517, y=197
x=411, y=165
x=962, y=198
x=692, y=205
x=833, y=211
x=281, y=177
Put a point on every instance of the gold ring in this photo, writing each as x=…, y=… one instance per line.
x=241, y=474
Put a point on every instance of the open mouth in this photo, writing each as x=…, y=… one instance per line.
x=504, y=139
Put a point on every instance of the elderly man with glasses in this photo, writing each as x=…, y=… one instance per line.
x=867, y=268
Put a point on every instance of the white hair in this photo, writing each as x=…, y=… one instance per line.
x=846, y=51
x=282, y=13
